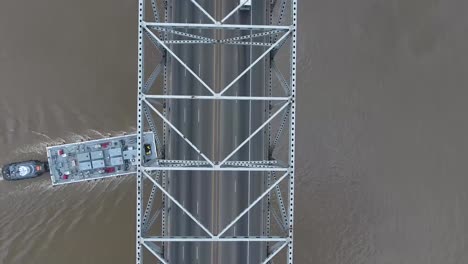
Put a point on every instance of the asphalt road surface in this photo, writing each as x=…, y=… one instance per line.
x=217, y=129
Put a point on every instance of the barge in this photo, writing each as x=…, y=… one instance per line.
x=97, y=159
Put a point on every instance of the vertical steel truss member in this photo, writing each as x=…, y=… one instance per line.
x=285, y=106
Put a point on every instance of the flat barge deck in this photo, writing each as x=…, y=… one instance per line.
x=97, y=159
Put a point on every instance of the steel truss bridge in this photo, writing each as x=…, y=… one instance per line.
x=271, y=49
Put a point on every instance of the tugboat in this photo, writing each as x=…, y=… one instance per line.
x=24, y=170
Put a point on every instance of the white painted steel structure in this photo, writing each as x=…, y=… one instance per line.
x=280, y=37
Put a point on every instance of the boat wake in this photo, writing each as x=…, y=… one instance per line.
x=40, y=147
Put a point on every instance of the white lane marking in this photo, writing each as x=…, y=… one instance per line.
x=197, y=207
x=198, y=116
x=235, y=186
x=197, y=252
x=234, y=232
x=199, y=69
x=183, y=205
x=235, y=140
x=183, y=252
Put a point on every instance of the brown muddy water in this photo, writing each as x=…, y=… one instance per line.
x=382, y=175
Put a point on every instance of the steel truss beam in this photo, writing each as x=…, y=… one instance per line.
x=188, y=165
x=197, y=39
x=185, y=34
x=216, y=26
x=214, y=239
x=180, y=42
x=218, y=97
x=188, y=168
x=156, y=250
x=155, y=172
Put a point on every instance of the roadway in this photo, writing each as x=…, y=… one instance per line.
x=215, y=198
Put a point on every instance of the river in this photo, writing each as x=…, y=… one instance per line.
x=382, y=130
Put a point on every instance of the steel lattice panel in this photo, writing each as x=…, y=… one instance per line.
x=277, y=34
